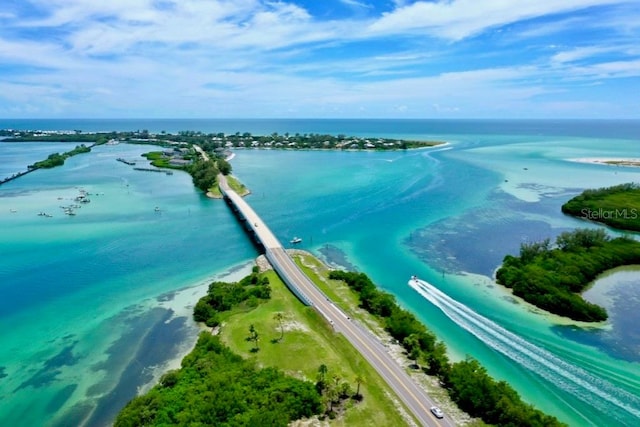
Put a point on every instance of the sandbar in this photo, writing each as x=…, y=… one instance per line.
x=633, y=162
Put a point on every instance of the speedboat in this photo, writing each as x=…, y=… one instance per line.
x=296, y=240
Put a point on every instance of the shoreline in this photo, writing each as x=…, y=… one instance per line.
x=608, y=161
x=181, y=304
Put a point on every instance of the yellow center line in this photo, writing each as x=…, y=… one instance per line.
x=278, y=251
x=347, y=325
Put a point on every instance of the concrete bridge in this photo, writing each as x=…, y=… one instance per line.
x=413, y=396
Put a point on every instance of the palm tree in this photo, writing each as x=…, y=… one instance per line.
x=253, y=336
x=336, y=379
x=359, y=381
x=322, y=373
x=331, y=394
x=279, y=317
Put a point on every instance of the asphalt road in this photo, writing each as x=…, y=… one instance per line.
x=413, y=396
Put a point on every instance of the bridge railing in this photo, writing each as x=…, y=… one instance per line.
x=288, y=281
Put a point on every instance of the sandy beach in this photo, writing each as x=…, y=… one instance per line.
x=634, y=162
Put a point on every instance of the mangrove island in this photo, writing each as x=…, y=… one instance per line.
x=551, y=278
x=617, y=206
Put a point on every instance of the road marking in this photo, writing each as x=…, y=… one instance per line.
x=293, y=268
x=310, y=292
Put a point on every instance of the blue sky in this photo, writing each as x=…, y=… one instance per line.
x=320, y=59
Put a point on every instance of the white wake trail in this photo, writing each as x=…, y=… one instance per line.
x=594, y=391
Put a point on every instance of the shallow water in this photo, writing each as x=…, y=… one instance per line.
x=89, y=304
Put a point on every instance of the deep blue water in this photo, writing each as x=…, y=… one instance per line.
x=91, y=303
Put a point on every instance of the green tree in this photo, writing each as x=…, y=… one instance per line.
x=412, y=346
x=253, y=337
x=322, y=376
x=217, y=387
x=345, y=390
x=359, y=380
x=224, y=166
x=279, y=318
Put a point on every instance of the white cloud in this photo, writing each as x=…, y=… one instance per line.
x=578, y=54
x=118, y=25
x=553, y=27
x=356, y=4
x=207, y=58
x=613, y=69
x=458, y=19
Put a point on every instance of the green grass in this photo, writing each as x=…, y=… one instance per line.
x=158, y=160
x=337, y=290
x=235, y=185
x=309, y=342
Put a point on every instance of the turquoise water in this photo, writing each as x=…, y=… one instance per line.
x=90, y=304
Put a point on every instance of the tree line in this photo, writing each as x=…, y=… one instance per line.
x=550, y=276
x=57, y=159
x=223, y=296
x=216, y=387
x=219, y=140
x=335, y=391
x=617, y=206
x=467, y=382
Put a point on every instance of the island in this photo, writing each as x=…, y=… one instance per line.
x=609, y=161
x=53, y=160
x=617, y=206
x=552, y=277
x=220, y=141
x=213, y=149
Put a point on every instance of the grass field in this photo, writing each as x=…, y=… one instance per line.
x=235, y=185
x=308, y=342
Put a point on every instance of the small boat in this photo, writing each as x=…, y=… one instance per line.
x=157, y=209
x=296, y=240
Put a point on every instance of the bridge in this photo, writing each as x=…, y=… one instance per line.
x=413, y=396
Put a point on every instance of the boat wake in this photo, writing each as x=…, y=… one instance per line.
x=594, y=391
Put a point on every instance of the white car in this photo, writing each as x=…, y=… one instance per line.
x=437, y=412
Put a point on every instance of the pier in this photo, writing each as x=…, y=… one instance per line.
x=126, y=162
x=16, y=176
x=153, y=170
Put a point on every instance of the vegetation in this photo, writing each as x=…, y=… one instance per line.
x=56, y=136
x=223, y=296
x=158, y=159
x=300, y=343
x=216, y=387
x=617, y=206
x=213, y=142
x=468, y=383
x=57, y=159
x=204, y=174
x=551, y=278
x=223, y=166
x=215, y=145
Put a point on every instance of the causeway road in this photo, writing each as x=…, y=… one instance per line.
x=413, y=396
